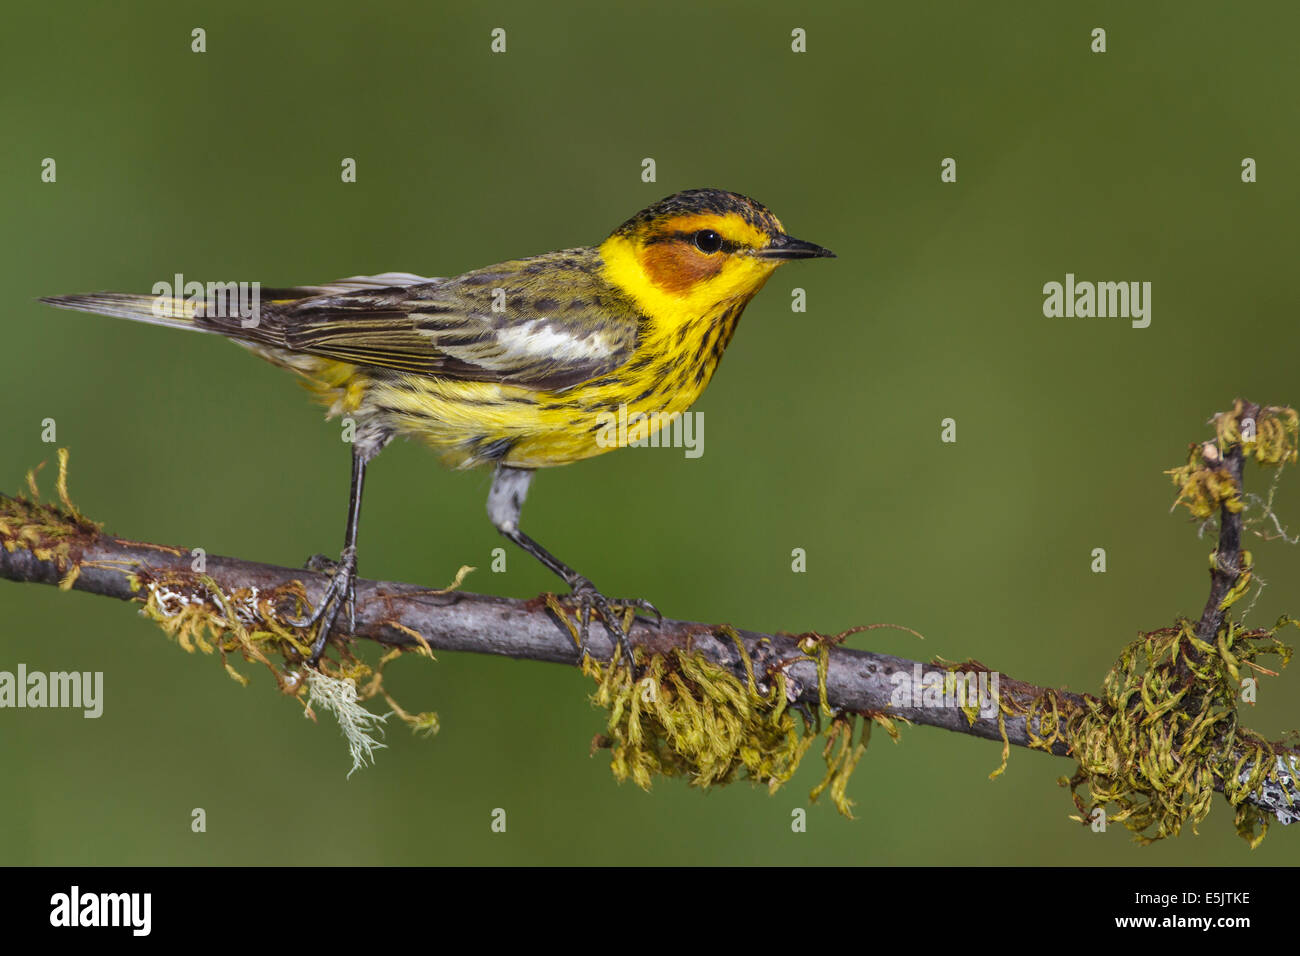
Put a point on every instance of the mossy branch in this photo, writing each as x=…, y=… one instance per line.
x=713, y=701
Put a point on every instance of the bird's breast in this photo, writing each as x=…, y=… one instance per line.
x=671, y=366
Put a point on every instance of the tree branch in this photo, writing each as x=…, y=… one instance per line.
x=1227, y=568
x=526, y=630
x=859, y=681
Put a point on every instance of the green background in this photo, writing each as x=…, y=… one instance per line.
x=822, y=428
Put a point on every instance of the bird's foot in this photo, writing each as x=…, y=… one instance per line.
x=341, y=594
x=586, y=599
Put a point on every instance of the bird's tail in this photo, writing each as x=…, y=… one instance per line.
x=173, y=311
x=226, y=308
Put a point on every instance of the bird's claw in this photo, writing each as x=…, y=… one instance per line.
x=341, y=594
x=587, y=599
x=641, y=604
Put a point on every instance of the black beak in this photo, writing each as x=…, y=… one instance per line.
x=788, y=247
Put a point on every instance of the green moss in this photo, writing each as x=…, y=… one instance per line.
x=192, y=608
x=1205, y=485
x=681, y=715
x=47, y=531
x=1167, y=728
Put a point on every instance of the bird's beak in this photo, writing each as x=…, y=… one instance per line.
x=787, y=247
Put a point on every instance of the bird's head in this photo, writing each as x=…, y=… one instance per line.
x=697, y=250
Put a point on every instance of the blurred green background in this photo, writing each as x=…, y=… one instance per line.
x=822, y=428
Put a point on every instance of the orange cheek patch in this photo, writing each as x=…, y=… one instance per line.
x=676, y=267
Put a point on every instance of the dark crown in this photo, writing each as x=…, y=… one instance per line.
x=694, y=201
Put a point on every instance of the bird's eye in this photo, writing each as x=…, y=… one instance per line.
x=708, y=241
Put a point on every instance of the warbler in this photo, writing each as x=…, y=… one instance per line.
x=517, y=365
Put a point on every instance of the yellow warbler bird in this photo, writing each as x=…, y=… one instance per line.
x=519, y=365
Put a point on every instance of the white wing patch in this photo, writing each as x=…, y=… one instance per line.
x=536, y=338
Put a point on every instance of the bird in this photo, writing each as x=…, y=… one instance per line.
x=514, y=366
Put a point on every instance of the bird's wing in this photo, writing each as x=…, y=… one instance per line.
x=547, y=323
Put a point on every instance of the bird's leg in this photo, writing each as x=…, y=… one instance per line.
x=342, y=590
x=505, y=503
